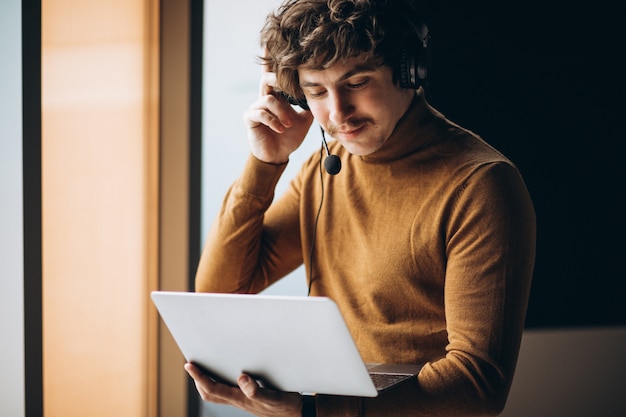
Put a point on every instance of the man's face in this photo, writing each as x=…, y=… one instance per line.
x=356, y=102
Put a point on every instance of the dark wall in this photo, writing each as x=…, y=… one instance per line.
x=543, y=83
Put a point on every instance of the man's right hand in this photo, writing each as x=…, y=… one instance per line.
x=275, y=128
x=248, y=396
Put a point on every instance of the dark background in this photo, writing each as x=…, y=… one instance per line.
x=543, y=83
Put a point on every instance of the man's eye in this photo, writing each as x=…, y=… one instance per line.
x=315, y=94
x=357, y=84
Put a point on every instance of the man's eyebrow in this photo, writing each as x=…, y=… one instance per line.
x=359, y=69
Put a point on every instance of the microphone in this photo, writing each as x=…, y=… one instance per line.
x=332, y=163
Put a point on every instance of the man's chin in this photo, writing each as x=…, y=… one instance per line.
x=358, y=149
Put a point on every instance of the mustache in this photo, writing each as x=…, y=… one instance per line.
x=347, y=126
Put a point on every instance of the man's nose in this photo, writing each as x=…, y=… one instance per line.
x=340, y=108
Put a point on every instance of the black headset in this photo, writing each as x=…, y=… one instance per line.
x=414, y=61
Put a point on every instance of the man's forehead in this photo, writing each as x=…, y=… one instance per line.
x=323, y=63
x=343, y=68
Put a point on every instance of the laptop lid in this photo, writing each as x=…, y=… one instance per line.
x=289, y=343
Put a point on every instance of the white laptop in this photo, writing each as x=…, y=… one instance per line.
x=288, y=343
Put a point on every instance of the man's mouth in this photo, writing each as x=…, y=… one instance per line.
x=348, y=134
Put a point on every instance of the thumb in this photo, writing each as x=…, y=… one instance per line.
x=248, y=386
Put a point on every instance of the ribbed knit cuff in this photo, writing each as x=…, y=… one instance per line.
x=260, y=178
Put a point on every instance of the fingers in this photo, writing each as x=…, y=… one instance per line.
x=213, y=391
x=275, y=129
x=272, y=108
x=266, y=401
x=210, y=390
x=203, y=383
x=271, y=112
x=248, y=386
x=195, y=372
x=248, y=396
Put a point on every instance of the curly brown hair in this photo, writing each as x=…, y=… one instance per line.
x=319, y=33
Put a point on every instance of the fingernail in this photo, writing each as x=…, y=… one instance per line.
x=245, y=385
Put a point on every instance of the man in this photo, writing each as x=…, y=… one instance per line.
x=425, y=239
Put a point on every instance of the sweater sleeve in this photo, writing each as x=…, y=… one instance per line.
x=251, y=245
x=490, y=253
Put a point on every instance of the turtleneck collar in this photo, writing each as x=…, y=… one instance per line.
x=410, y=134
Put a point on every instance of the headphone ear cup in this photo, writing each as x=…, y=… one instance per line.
x=406, y=70
x=422, y=63
x=414, y=62
x=413, y=67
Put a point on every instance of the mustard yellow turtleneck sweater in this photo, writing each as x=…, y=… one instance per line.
x=427, y=246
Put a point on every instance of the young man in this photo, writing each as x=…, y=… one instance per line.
x=425, y=239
